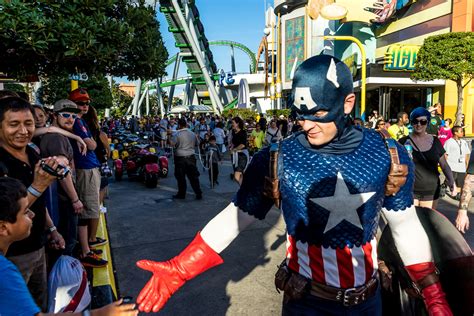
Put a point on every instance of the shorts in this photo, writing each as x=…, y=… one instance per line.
x=88, y=187
x=241, y=163
x=459, y=178
x=104, y=182
x=163, y=135
x=427, y=195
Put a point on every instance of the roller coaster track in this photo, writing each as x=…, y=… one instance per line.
x=242, y=47
x=192, y=58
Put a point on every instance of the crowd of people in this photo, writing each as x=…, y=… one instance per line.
x=59, y=158
x=433, y=141
x=50, y=196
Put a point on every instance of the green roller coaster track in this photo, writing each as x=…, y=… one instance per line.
x=242, y=47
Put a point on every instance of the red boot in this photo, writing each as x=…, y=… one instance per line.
x=169, y=276
x=424, y=275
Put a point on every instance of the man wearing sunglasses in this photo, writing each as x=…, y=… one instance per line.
x=52, y=144
x=87, y=184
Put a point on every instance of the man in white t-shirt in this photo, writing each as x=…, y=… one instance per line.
x=457, y=152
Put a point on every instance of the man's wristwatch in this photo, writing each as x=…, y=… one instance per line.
x=52, y=229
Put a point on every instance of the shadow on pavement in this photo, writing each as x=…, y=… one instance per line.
x=148, y=224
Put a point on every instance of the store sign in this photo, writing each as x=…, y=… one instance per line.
x=400, y=57
x=79, y=77
x=351, y=62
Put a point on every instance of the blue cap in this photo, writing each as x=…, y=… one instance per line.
x=419, y=111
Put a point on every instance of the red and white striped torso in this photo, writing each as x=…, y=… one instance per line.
x=341, y=268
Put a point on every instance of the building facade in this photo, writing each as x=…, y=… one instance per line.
x=390, y=38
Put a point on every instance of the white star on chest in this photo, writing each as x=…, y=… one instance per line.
x=342, y=205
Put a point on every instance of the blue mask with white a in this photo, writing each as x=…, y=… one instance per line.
x=321, y=83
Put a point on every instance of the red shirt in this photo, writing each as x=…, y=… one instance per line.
x=444, y=134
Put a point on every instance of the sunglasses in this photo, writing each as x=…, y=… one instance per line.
x=421, y=122
x=81, y=103
x=68, y=115
x=381, y=123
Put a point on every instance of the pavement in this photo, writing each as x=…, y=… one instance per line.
x=147, y=224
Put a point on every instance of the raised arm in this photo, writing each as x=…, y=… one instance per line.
x=53, y=129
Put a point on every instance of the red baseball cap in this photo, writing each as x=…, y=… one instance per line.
x=79, y=94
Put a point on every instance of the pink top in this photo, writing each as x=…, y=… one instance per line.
x=444, y=134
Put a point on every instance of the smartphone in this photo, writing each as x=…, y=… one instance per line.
x=127, y=300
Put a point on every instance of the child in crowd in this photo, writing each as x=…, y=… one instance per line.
x=445, y=131
x=15, y=224
x=214, y=156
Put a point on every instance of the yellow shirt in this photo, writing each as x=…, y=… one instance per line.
x=258, y=138
x=398, y=132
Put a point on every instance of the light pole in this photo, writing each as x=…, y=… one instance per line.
x=363, y=66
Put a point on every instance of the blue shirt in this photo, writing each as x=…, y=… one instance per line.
x=15, y=299
x=88, y=161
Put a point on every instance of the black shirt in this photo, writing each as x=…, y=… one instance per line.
x=426, y=166
x=25, y=173
x=239, y=138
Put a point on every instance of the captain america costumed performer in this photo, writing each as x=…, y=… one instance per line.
x=332, y=183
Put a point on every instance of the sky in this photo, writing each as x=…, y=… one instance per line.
x=241, y=21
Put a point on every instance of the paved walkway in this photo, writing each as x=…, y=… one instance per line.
x=148, y=224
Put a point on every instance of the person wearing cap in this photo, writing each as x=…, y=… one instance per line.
x=332, y=188
x=88, y=183
x=54, y=144
x=427, y=154
x=434, y=121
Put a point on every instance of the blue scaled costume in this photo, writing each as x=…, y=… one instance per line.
x=307, y=177
x=332, y=195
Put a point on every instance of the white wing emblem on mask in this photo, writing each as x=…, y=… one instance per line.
x=332, y=73
x=303, y=97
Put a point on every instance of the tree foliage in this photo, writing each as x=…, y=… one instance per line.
x=117, y=37
x=15, y=87
x=245, y=114
x=121, y=101
x=56, y=87
x=450, y=57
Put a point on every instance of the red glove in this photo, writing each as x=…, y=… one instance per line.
x=424, y=275
x=169, y=276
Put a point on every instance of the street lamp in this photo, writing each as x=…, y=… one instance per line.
x=363, y=66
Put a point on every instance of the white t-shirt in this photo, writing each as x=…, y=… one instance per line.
x=457, y=151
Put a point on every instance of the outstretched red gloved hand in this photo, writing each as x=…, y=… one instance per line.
x=169, y=276
x=424, y=275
